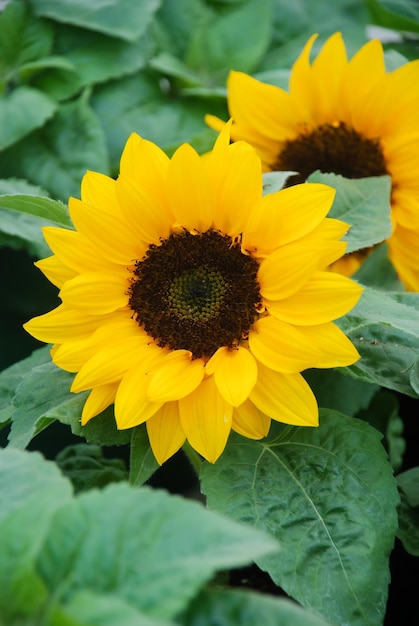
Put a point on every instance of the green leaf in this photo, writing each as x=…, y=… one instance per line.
x=143, y=463
x=386, y=334
x=43, y=396
x=364, y=204
x=22, y=111
x=151, y=550
x=408, y=531
x=328, y=494
x=118, y=18
x=18, y=186
x=275, y=181
x=395, y=15
x=87, y=468
x=12, y=376
x=237, y=608
x=23, y=39
x=333, y=390
x=87, y=608
x=31, y=490
x=58, y=156
x=220, y=46
x=22, y=218
x=378, y=271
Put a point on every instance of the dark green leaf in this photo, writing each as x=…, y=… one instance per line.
x=22, y=111
x=395, y=15
x=333, y=390
x=151, y=550
x=328, y=494
x=237, y=608
x=87, y=468
x=58, y=156
x=118, y=18
x=364, y=204
x=143, y=463
x=378, y=271
x=386, y=334
x=11, y=377
x=408, y=531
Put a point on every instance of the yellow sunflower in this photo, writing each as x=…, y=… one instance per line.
x=191, y=301
x=347, y=117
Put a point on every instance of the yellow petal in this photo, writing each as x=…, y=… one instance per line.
x=63, y=324
x=165, y=432
x=56, y=272
x=111, y=363
x=403, y=250
x=250, y=422
x=99, y=399
x=323, y=298
x=206, y=420
x=109, y=236
x=302, y=84
x=285, y=398
x=96, y=292
x=287, y=215
x=282, y=347
x=176, y=376
x=235, y=172
x=235, y=373
x=328, y=71
x=334, y=347
x=284, y=271
x=190, y=191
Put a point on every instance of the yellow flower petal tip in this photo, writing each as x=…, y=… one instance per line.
x=177, y=285
x=334, y=107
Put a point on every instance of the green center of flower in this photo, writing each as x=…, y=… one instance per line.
x=332, y=148
x=196, y=292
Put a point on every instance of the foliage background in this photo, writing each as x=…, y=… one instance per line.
x=77, y=78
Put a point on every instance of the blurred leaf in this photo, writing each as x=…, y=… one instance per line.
x=143, y=546
x=30, y=493
x=58, y=156
x=364, y=204
x=395, y=14
x=29, y=70
x=22, y=218
x=138, y=104
x=19, y=186
x=328, y=494
x=88, y=608
x=143, y=463
x=21, y=111
x=378, y=271
x=236, y=608
x=220, y=46
x=386, y=334
x=98, y=58
x=23, y=39
x=178, y=20
x=118, y=18
x=87, y=468
x=408, y=531
x=275, y=181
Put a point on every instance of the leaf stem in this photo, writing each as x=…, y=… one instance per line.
x=193, y=457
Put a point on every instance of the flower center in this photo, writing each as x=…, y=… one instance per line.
x=196, y=292
x=332, y=148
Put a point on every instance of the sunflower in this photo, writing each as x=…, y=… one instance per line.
x=191, y=301
x=347, y=117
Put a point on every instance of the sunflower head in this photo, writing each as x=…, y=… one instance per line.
x=191, y=301
x=346, y=116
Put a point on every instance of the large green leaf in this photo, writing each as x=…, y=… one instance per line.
x=328, y=494
x=22, y=111
x=408, y=531
x=386, y=333
x=58, y=156
x=152, y=550
x=22, y=218
x=364, y=204
x=237, y=608
x=30, y=492
x=119, y=18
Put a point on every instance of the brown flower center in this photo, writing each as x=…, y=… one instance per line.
x=332, y=148
x=196, y=292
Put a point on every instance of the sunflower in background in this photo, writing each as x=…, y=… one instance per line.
x=346, y=117
x=193, y=302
